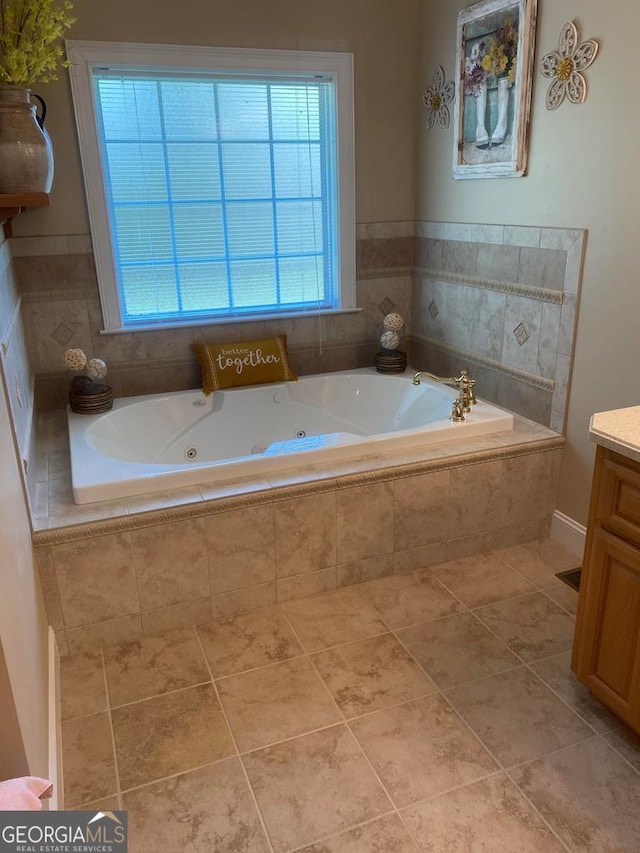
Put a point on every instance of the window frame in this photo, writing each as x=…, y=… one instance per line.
x=85, y=55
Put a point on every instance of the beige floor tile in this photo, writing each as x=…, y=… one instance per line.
x=490, y=815
x=418, y=558
x=540, y=561
x=421, y=749
x=248, y=640
x=182, y=615
x=563, y=595
x=314, y=786
x=332, y=619
x=229, y=604
x=87, y=754
x=82, y=688
x=516, y=716
x=481, y=580
x=154, y=665
x=372, y=674
x=105, y=804
x=94, y=637
x=210, y=810
x=408, y=599
x=532, y=626
x=366, y=570
x=556, y=672
x=169, y=734
x=276, y=702
x=384, y=835
x=588, y=795
x=457, y=649
x=627, y=742
x=305, y=585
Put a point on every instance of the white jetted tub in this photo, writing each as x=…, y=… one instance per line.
x=165, y=441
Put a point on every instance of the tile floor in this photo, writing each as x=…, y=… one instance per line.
x=432, y=711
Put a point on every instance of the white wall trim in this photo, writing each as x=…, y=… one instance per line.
x=568, y=532
x=55, y=725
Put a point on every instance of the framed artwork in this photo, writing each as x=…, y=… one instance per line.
x=494, y=64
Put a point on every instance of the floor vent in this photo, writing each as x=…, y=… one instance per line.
x=571, y=578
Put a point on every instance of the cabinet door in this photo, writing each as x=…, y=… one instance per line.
x=618, y=507
x=608, y=657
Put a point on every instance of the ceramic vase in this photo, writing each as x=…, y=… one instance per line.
x=26, y=157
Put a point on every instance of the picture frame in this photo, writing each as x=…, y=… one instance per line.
x=493, y=82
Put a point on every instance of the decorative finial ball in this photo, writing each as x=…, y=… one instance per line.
x=390, y=340
x=393, y=321
x=75, y=359
x=96, y=368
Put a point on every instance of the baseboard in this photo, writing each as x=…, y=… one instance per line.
x=55, y=725
x=568, y=532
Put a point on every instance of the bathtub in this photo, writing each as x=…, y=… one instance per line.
x=166, y=441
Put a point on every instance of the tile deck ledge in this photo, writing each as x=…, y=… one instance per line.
x=64, y=521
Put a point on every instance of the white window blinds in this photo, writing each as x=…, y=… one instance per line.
x=221, y=192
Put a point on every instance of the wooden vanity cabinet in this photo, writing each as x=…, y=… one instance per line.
x=606, y=651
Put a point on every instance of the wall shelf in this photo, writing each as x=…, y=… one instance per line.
x=11, y=204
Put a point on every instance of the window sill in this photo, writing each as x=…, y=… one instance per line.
x=225, y=321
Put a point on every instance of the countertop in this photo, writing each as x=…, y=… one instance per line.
x=618, y=430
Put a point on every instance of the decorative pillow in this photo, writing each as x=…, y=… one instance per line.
x=244, y=363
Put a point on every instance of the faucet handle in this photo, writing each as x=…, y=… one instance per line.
x=467, y=391
x=457, y=412
x=464, y=391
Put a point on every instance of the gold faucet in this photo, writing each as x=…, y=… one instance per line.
x=466, y=391
x=445, y=380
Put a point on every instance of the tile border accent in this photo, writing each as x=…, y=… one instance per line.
x=521, y=375
x=34, y=296
x=384, y=272
x=511, y=287
x=64, y=244
x=80, y=244
x=30, y=297
x=385, y=230
x=122, y=524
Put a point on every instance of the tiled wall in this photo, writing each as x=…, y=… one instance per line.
x=61, y=309
x=284, y=544
x=14, y=361
x=502, y=301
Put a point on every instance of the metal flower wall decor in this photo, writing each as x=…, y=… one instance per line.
x=565, y=66
x=437, y=98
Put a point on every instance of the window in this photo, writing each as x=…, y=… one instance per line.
x=219, y=181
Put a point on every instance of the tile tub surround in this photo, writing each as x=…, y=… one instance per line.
x=324, y=734
x=524, y=282
x=502, y=301
x=121, y=570
x=14, y=365
x=61, y=309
